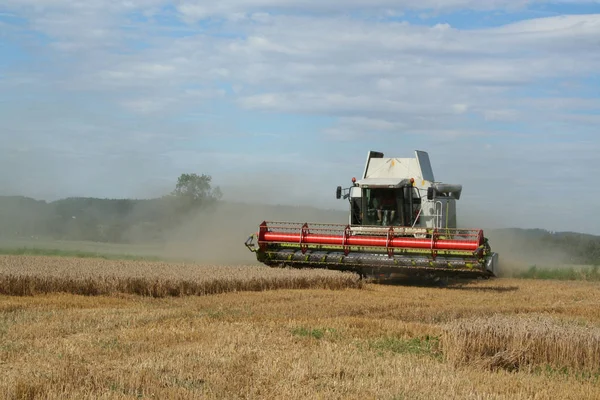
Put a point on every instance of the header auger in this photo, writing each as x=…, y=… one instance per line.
x=401, y=223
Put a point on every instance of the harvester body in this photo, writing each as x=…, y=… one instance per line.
x=402, y=222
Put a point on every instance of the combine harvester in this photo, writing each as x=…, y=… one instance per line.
x=402, y=223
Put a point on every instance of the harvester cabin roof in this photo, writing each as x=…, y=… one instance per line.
x=393, y=170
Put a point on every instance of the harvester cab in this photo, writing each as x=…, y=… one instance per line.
x=400, y=192
x=401, y=222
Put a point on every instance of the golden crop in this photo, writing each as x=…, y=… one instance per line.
x=496, y=339
x=522, y=342
x=30, y=275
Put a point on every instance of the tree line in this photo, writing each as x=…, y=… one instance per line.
x=107, y=220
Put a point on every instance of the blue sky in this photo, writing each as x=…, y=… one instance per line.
x=281, y=101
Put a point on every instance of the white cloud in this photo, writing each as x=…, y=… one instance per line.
x=351, y=128
x=592, y=120
x=194, y=10
x=327, y=65
x=147, y=106
x=556, y=27
x=501, y=115
x=306, y=64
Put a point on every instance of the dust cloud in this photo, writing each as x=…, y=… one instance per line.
x=217, y=236
x=518, y=251
x=518, y=248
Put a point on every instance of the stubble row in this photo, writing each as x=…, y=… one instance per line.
x=31, y=275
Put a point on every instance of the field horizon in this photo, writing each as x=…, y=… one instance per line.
x=155, y=229
x=512, y=268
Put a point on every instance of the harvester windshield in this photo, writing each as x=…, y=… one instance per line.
x=388, y=206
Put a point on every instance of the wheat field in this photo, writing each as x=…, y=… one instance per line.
x=523, y=342
x=29, y=275
x=496, y=339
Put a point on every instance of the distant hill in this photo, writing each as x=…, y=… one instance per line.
x=133, y=221
x=538, y=246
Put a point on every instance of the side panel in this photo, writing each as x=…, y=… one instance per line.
x=372, y=154
x=356, y=207
x=450, y=214
x=425, y=165
x=439, y=213
x=429, y=213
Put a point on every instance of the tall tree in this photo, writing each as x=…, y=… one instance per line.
x=196, y=189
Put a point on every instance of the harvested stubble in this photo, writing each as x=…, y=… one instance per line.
x=30, y=275
x=522, y=342
x=278, y=344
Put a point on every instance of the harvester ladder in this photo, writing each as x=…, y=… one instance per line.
x=437, y=217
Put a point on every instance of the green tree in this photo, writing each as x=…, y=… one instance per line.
x=196, y=189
